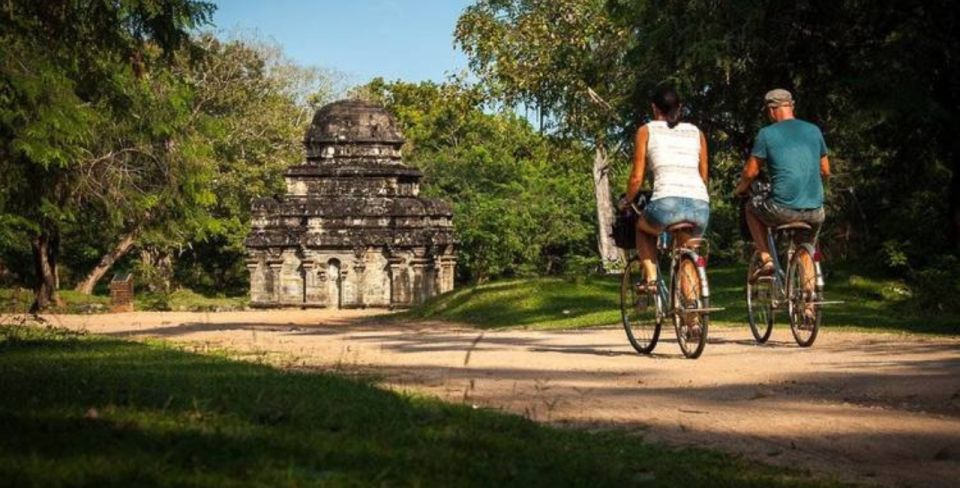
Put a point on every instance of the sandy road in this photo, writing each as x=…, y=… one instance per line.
x=878, y=408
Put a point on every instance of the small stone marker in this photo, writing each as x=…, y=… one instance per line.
x=121, y=293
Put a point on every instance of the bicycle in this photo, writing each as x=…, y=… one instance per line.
x=642, y=312
x=799, y=289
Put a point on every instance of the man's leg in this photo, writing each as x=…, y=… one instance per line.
x=815, y=219
x=758, y=231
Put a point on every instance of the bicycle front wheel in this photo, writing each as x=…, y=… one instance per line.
x=803, y=301
x=760, y=295
x=690, y=318
x=639, y=310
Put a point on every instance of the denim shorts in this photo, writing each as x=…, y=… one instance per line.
x=664, y=212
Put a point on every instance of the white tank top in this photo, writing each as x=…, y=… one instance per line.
x=673, y=158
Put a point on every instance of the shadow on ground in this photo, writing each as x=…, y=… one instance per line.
x=89, y=411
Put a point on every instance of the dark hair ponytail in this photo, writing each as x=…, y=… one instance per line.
x=668, y=103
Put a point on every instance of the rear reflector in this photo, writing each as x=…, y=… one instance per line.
x=816, y=255
x=701, y=262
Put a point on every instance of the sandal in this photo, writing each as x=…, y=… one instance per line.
x=647, y=288
x=765, y=270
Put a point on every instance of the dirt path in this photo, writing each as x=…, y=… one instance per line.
x=878, y=408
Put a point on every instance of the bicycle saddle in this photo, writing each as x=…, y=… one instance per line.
x=680, y=226
x=795, y=225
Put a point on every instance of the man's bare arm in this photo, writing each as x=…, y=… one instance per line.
x=750, y=172
x=825, y=167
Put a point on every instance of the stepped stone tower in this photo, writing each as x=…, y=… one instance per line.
x=351, y=230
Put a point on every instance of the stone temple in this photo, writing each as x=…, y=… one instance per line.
x=351, y=230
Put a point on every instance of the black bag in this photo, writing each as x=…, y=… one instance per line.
x=624, y=229
x=759, y=190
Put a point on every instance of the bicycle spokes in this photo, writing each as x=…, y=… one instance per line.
x=640, y=309
x=761, y=294
x=803, y=300
x=689, y=308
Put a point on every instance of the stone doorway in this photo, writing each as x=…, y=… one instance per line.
x=334, y=284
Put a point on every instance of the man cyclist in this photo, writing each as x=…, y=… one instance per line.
x=795, y=155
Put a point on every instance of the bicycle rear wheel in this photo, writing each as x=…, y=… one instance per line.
x=802, y=298
x=689, y=318
x=760, y=295
x=639, y=311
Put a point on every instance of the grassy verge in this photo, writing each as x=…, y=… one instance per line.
x=18, y=300
x=92, y=411
x=188, y=301
x=554, y=303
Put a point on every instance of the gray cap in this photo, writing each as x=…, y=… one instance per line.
x=777, y=97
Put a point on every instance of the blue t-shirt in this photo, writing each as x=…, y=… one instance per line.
x=792, y=150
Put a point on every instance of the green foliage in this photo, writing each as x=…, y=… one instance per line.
x=90, y=118
x=254, y=106
x=522, y=200
x=875, y=76
x=89, y=410
x=154, y=136
x=550, y=56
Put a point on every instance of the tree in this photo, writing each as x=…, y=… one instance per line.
x=521, y=202
x=879, y=77
x=257, y=104
x=67, y=72
x=564, y=59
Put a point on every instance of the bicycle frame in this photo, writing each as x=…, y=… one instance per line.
x=780, y=276
x=665, y=242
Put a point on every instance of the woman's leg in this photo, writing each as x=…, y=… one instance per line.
x=647, y=248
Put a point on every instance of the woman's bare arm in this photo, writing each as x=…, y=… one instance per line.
x=704, y=170
x=639, y=163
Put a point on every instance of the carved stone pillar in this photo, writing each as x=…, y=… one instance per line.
x=359, y=266
x=309, y=282
x=449, y=265
x=419, y=265
x=256, y=279
x=358, y=271
x=399, y=282
x=275, y=266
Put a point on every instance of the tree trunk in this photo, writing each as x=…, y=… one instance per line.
x=953, y=158
x=610, y=256
x=54, y=260
x=44, y=260
x=106, y=262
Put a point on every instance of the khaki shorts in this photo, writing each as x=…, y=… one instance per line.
x=773, y=214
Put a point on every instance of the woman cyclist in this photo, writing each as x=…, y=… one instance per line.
x=675, y=154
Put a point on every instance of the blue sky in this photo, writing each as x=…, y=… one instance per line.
x=410, y=40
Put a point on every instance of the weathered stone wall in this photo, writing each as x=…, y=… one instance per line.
x=342, y=279
x=352, y=230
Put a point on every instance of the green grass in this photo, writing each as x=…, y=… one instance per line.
x=555, y=303
x=189, y=301
x=18, y=300
x=83, y=410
